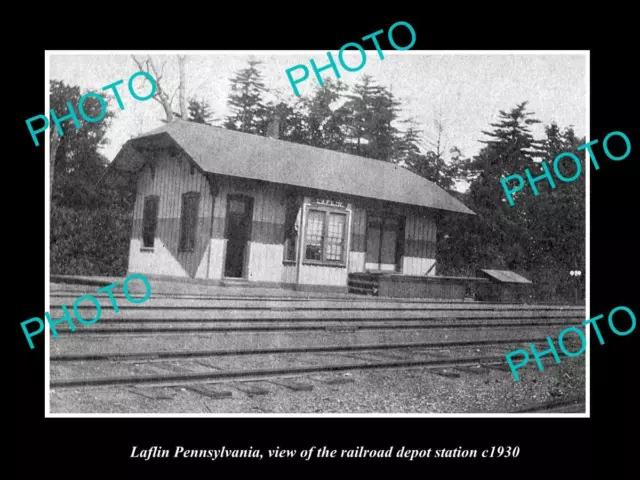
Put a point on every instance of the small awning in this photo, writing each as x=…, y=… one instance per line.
x=505, y=276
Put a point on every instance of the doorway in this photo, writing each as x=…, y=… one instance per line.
x=237, y=233
x=385, y=242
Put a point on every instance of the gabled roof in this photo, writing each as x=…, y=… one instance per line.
x=506, y=276
x=227, y=152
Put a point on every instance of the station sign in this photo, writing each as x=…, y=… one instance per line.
x=329, y=203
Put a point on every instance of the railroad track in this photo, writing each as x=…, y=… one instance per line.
x=269, y=339
x=214, y=374
x=354, y=299
x=168, y=355
x=567, y=405
x=69, y=296
x=270, y=373
x=246, y=305
x=358, y=299
x=93, y=330
x=241, y=317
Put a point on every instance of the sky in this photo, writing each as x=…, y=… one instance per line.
x=467, y=90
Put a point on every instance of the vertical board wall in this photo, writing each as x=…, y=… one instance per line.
x=420, y=245
x=358, y=240
x=169, y=177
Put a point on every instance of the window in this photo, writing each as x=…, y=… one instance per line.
x=325, y=238
x=188, y=221
x=335, y=236
x=293, y=213
x=236, y=206
x=149, y=221
x=315, y=230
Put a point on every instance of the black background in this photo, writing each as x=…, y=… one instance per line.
x=550, y=448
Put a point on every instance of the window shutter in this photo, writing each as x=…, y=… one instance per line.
x=149, y=221
x=188, y=221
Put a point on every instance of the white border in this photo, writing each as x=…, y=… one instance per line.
x=48, y=414
x=587, y=262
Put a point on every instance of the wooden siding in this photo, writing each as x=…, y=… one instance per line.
x=216, y=261
x=265, y=262
x=169, y=178
x=420, y=237
x=268, y=210
x=418, y=266
x=356, y=262
x=358, y=230
x=318, y=275
x=420, y=245
x=388, y=267
x=289, y=274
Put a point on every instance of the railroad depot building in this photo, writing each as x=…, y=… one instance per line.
x=229, y=207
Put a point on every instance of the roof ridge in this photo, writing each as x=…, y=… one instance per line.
x=388, y=164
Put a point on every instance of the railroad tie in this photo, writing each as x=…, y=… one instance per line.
x=500, y=366
x=394, y=356
x=153, y=393
x=172, y=367
x=209, y=391
x=444, y=373
x=293, y=385
x=476, y=370
x=436, y=354
x=205, y=362
x=252, y=389
x=354, y=356
x=333, y=380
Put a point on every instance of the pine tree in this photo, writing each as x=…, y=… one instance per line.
x=433, y=168
x=555, y=220
x=511, y=150
x=407, y=145
x=541, y=237
x=431, y=165
x=246, y=101
x=200, y=111
x=513, y=146
x=289, y=122
x=384, y=134
x=323, y=126
x=369, y=114
x=497, y=236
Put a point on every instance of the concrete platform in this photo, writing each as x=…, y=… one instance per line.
x=89, y=284
x=178, y=286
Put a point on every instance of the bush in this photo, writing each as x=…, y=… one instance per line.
x=90, y=241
